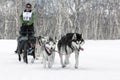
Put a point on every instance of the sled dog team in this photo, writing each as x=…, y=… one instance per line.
x=45, y=48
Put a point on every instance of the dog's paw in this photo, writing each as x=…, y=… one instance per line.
x=76, y=67
x=63, y=66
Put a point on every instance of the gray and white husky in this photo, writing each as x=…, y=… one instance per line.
x=48, y=51
x=69, y=43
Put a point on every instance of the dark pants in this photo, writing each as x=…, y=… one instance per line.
x=27, y=30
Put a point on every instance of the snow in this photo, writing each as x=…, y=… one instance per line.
x=100, y=60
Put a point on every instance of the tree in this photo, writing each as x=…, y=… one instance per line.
x=96, y=19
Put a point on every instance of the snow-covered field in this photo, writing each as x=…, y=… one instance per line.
x=100, y=60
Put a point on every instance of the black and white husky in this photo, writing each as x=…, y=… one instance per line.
x=48, y=51
x=69, y=43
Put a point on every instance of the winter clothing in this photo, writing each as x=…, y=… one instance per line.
x=27, y=21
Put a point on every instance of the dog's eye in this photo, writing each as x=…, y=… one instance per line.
x=54, y=43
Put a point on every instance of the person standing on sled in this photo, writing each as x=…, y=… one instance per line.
x=27, y=21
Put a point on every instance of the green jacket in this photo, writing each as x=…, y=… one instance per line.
x=30, y=22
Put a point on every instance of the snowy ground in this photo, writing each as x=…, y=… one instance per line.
x=99, y=61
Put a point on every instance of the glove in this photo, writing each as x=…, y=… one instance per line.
x=28, y=23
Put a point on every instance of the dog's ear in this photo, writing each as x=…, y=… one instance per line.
x=81, y=35
x=55, y=40
x=74, y=36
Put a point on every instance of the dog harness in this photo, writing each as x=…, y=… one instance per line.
x=48, y=51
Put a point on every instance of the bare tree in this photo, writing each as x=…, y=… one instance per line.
x=96, y=19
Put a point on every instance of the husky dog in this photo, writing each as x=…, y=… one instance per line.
x=24, y=44
x=48, y=51
x=69, y=43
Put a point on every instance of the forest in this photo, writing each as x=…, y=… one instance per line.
x=95, y=19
